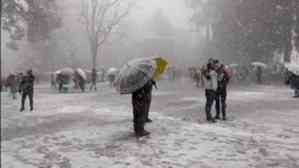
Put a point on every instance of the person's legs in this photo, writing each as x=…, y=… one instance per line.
x=60, y=86
x=296, y=94
x=24, y=95
x=223, y=104
x=147, y=109
x=139, y=117
x=31, y=100
x=217, y=105
x=209, y=102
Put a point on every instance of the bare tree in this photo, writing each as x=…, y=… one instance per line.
x=101, y=18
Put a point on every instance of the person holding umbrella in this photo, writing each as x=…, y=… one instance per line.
x=137, y=78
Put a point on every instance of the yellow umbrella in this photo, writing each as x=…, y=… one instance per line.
x=161, y=66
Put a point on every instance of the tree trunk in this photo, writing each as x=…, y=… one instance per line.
x=94, y=52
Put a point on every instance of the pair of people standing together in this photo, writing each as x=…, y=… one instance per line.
x=215, y=80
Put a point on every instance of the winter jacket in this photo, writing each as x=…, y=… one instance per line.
x=210, y=80
x=27, y=83
x=222, y=78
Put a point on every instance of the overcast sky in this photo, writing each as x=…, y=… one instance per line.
x=176, y=10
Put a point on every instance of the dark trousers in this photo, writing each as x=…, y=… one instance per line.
x=221, y=103
x=93, y=86
x=60, y=87
x=210, y=97
x=24, y=95
x=139, y=114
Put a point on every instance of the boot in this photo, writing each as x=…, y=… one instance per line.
x=142, y=133
x=149, y=120
x=217, y=117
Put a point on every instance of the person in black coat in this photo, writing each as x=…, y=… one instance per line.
x=141, y=100
x=221, y=92
x=26, y=89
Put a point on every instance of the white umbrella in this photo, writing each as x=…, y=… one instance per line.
x=81, y=73
x=66, y=71
x=259, y=64
x=134, y=75
x=294, y=68
x=112, y=71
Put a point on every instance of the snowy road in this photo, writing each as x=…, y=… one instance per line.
x=94, y=130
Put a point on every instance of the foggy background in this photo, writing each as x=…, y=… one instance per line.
x=186, y=32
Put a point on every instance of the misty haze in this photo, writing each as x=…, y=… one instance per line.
x=149, y=83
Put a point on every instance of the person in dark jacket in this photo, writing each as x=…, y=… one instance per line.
x=93, y=79
x=221, y=92
x=26, y=89
x=141, y=100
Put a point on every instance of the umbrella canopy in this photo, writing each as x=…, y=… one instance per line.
x=135, y=74
x=294, y=68
x=81, y=73
x=65, y=71
x=259, y=64
x=112, y=71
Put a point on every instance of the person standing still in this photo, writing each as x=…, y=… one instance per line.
x=221, y=93
x=26, y=89
x=141, y=104
x=210, y=83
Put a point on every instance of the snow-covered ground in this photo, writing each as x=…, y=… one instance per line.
x=94, y=130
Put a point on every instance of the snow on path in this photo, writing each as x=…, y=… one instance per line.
x=92, y=131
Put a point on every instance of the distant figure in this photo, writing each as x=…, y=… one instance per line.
x=19, y=79
x=259, y=73
x=223, y=79
x=111, y=78
x=79, y=81
x=197, y=77
x=12, y=83
x=141, y=100
x=210, y=83
x=293, y=80
x=53, y=82
x=60, y=81
x=93, y=79
x=26, y=89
